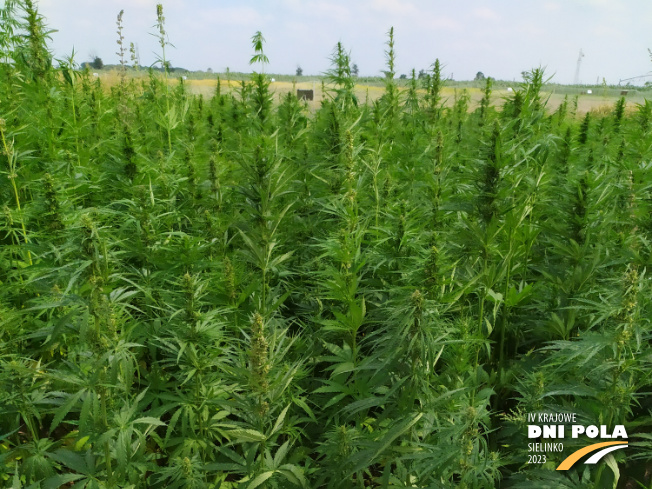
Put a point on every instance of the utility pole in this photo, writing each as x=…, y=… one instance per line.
x=576, y=81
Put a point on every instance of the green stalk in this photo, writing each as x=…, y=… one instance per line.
x=167, y=105
x=11, y=158
x=503, y=321
x=484, y=296
x=74, y=118
x=107, y=447
x=69, y=76
x=161, y=27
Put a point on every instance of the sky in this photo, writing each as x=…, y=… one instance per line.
x=501, y=38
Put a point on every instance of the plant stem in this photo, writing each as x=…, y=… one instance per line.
x=11, y=158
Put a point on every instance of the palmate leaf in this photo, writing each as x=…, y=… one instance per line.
x=333, y=387
x=84, y=464
x=582, y=351
x=571, y=390
x=365, y=458
x=293, y=474
x=257, y=41
x=231, y=454
x=375, y=400
x=259, y=58
x=343, y=354
x=63, y=411
x=290, y=472
x=301, y=402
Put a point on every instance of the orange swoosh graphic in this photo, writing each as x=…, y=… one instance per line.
x=575, y=456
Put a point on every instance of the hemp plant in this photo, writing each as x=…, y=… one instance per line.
x=258, y=42
x=249, y=292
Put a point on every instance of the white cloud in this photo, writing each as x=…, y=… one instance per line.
x=393, y=7
x=231, y=16
x=331, y=10
x=485, y=13
x=551, y=6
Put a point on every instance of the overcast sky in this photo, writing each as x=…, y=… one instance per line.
x=501, y=38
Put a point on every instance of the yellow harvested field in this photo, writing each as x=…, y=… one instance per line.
x=206, y=87
x=586, y=102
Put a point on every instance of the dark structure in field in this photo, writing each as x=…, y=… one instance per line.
x=305, y=94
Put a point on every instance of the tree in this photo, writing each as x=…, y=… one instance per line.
x=479, y=76
x=354, y=70
x=97, y=63
x=299, y=71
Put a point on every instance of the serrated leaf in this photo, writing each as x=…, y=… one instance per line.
x=260, y=479
x=65, y=409
x=296, y=471
x=149, y=420
x=245, y=434
x=61, y=480
x=73, y=460
x=613, y=465
x=303, y=405
x=280, y=419
x=281, y=453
